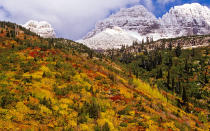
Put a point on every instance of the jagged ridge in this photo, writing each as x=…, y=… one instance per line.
x=188, y=19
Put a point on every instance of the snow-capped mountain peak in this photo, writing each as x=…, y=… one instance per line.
x=42, y=28
x=183, y=20
x=194, y=13
x=136, y=18
x=188, y=19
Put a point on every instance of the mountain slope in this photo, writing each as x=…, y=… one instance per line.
x=112, y=38
x=178, y=65
x=58, y=84
x=184, y=20
x=42, y=28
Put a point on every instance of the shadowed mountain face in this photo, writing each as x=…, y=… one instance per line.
x=188, y=19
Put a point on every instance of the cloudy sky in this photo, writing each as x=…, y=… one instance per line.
x=74, y=18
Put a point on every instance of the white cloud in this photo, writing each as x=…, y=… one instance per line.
x=3, y=14
x=71, y=18
x=165, y=1
x=149, y=4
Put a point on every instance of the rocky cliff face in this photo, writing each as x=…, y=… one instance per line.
x=42, y=28
x=184, y=20
x=137, y=19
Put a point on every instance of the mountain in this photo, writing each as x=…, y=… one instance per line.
x=136, y=18
x=59, y=84
x=187, y=19
x=42, y=28
x=114, y=37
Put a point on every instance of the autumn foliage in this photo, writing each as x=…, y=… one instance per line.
x=54, y=84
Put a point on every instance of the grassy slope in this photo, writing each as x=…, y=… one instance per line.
x=47, y=86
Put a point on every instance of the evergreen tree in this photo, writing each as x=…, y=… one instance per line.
x=193, y=52
x=205, y=77
x=184, y=95
x=173, y=84
x=90, y=54
x=44, y=75
x=180, y=88
x=135, y=43
x=139, y=49
x=147, y=40
x=159, y=73
x=206, y=52
x=122, y=48
x=12, y=34
x=163, y=45
x=142, y=42
x=146, y=52
x=186, y=67
x=169, y=63
x=178, y=50
x=8, y=34
x=94, y=109
x=170, y=47
x=106, y=127
x=112, y=55
x=168, y=79
x=13, y=46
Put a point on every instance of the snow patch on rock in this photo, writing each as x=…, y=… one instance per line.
x=111, y=38
x=42, y=28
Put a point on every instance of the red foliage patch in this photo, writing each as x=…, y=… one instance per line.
x=16, y=82
x=103, y=72
x=89, y=72
x=115, y=98
x=76, y=65
x=42, y=55
x=2, y=34
x=198, y=109
x=140, y=128
x=106, y=89
x=34, y=53
x=50, y=51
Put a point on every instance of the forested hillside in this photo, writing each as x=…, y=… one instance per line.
x=181, y=72
x=57, y=84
